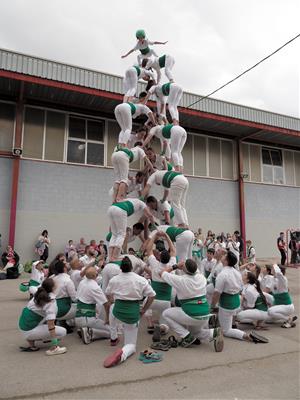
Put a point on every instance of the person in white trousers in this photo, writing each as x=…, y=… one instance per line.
x=283, y=307
x=190, y=321
x=124, y=114
x=176, y=187
x=120, y=159
x=168, y=93
x=90, y=296
x=118, y=214
x=157, y=63
x=216, y=269
x=172, y=139
x=142, y=46
x=227, y=293
x=37, y=321
x=130, y=82
x=126, y=290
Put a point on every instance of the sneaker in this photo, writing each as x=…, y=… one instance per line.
x=256, y=338
x=163, y=345
x=86, y=335
x=187, y=341
x=218, y=340
x=56, y=350
x=156, y=334
x=114, y=342
x=288, y=324
x=113, y=359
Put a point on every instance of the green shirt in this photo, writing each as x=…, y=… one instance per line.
x=126, y=206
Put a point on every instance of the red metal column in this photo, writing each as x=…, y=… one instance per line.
x=16, y=167
x=241, y=195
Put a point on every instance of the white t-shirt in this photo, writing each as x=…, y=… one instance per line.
x=266, y=282
x=138, y=153
x=141, y=109
x=129, y=286
x=157, y=91
x=156, y=267
x=186, y=286
x=251, y=254
x=75, y=277
x=159, y=163
x=216, y=269
x=250, y=295
x=64, y=286
x=48, y=311
x=89, y=292
x=207, y=265
x=141, y=46
x=132, y=186
x=229, y=281
x=280, y=281
x=37, y=275
x=160, y=212
x=157, y=132
x=156, y=177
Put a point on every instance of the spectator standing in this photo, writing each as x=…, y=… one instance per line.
x=42, y=245
x=281, y=245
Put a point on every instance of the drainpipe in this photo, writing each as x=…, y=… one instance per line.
x=241, y=195
x=16, y=167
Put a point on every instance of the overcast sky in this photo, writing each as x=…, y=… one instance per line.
x=211, y=41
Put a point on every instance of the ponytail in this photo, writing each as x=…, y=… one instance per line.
x=261, y=293
x=41, y=296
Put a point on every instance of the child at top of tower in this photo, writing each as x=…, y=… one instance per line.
x=143, y=46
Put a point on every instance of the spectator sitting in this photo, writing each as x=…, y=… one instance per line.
x=70, y=250
x=131, y=251
x=93, y=244
x=10, y=261
x=80, y=248
x=102, y=248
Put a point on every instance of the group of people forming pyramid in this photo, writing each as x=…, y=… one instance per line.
x=109, y=299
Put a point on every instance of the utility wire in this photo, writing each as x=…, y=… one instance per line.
x=247, y=70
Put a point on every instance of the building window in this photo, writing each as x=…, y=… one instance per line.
x=85, y=141
x=7, y=120
x=272, y=166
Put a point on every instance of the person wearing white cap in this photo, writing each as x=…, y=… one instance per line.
x=118, y=214
x=37, y=276
x=157, y=63
x=190, y=320
x=37, y=321
x=143, y=46
x=90, y=296
x=126, y=290
x=124, y=114
x=177, y=185
x=120, y=159
x=172, y=138
x=132, y=75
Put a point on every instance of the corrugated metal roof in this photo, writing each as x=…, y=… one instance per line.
x=43, y=68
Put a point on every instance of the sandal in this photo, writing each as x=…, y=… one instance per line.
x=148, y=357
x=29, y=349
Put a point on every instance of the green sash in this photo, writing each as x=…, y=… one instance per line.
x=166, y=89
x=117, y=262
x=127, y=311
x=260, y=305
x=138, y=70
x=282, y=299
x=108, y=236
x=196, y=253
x=173, y=232
x=230, y=301
x=172, y=213
x=197, y=308
x=128, y=152
x=163, y=290
x=63, y=306
x=133, y=108
x=29, y=320
x=166, y=131
x=126, y=206
x=32, y=282
x=162, y=61
x=168, y=177
x=206, y=274
x=169, y=166
x=145, y=51
x=85, y=310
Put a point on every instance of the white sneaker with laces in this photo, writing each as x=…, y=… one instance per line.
x=56, y=350
x=86, y=335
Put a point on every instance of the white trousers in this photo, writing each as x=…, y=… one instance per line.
x=97, y=325
x=184, y=245
x=130, y=82
x=225, y=319
x=41, y=332
x=120, y=162
x=70, y=314
x=170, y=61
x=178, y=191
x=159, y=306
x=118, y=224
x=130, y=334
x=174, y=99
x=178, y=139
x=252, y=315
x=281, y=312
x=209, y=292
x=182, y=324
x=124, y=117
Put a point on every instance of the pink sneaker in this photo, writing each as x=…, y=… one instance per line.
x=113, y=359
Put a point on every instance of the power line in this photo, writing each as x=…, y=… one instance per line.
x=247, y=70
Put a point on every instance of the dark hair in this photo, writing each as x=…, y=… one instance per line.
x=51, y=268
x=59, y=267
x=126, y=265
x=231, y=259
x=191, y=266
x=212, y=251
x=131, y=249
x=164, y=257
x=41, y=296
x=151, y=199
x=282, y=269
x=149, y=84
x=45, y=232
x=139, y=174
x=254, y=281
x=257, y=270
x=160, y=245
x=281, y=233
x=219, y=237
x=269, y=269
x=236, y=232
x=138, y=144
x=144, y=62
x=142, y=129
x=138, y=226
x=142, y=95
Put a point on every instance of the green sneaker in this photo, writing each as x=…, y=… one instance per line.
x=188, y=341
x=218, y=340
